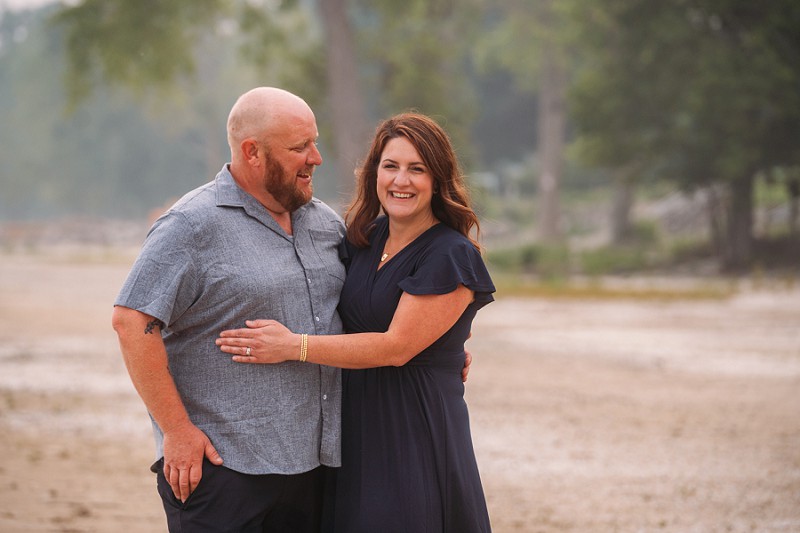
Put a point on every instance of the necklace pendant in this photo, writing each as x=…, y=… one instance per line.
x=383, y=257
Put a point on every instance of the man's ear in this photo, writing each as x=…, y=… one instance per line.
x=250, y=149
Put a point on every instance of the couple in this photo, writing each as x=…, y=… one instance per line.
x=248, y=447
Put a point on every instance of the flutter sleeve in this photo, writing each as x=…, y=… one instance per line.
x=345, y=253
x=447, y=266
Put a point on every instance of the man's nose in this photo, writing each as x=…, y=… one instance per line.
x=314, y=156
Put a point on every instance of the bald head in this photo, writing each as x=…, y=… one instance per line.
x=273, y=138
x=260, y=111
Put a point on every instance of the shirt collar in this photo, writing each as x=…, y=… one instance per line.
x=229, y=194
x=228, y=191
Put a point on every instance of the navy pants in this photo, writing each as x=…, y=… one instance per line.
x=229, y=501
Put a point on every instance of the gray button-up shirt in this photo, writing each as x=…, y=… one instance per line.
x=214, y=260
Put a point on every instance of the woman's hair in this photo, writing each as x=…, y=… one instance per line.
x=450, y=201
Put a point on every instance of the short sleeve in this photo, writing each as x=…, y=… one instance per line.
x=163, y=281
x=346, y=252
x=446, y=267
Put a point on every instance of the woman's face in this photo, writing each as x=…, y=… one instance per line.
x=405, y=185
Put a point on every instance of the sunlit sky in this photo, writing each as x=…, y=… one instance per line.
x=23, y=4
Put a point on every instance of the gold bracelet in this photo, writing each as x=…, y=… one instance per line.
x=303, y=347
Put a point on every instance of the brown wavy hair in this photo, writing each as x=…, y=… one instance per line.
x=450, y=202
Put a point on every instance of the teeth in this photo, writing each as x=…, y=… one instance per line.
x=402, y=195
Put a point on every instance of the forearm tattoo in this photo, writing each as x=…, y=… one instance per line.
x=155, y=323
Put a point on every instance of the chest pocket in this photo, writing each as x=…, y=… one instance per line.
x=326, y=245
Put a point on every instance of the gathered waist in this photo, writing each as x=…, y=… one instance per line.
x=444, y=359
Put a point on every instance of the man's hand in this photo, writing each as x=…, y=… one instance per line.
x=467, y=362
x=184, y=449
x=146, y=359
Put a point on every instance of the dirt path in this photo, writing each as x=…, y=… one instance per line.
x=587, y=416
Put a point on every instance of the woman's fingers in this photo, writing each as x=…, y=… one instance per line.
x=235, y=346
x=235, y=333
x=260, y=323
x=243, y=344
x=244, y=359
x=249, y=330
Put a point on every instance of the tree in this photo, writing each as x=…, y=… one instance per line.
x=530, y=41
x=700, y=93
x=417, y=56
x=152, y=44
x=134, y=44
x=349, y=114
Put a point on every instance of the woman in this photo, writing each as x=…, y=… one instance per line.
x=415, y=282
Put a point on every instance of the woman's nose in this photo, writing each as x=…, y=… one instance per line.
x=401, y=178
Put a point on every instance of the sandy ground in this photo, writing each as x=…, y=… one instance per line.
x=588, y=416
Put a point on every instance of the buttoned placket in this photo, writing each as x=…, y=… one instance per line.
x=324, y=393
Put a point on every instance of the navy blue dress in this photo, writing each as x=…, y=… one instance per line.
x=408, y=463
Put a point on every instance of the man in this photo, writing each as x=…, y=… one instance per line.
x=252, y=243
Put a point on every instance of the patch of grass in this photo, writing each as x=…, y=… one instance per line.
x=613, y=260
x=686, y=250
x=550, y=262
x=516, y=286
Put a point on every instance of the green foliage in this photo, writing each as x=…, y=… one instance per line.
x=517, y=32
x=418, y=57
x=269, y=43
x=613, y=260
x=108, y=158
x=516, y=286
x=548, y=262
x=133, y=44
x=518, y=259
x=645, y=233
x=685, y=250
x=661, y=93
x=694, y=92
x=697, y=93
x=639, y=253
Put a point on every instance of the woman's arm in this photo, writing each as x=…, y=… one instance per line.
x=417, y=323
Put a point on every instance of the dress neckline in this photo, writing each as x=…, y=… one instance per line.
x=380, y=242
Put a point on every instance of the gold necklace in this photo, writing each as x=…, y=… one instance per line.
x=386, y=254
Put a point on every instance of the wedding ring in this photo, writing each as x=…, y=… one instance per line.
x=247, y=353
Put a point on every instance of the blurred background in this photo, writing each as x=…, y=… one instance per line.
x=636, y=168
x=599, y=137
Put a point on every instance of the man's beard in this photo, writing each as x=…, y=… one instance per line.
x=284, y=188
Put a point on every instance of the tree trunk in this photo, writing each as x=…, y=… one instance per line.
x=738, y=252
x=347, y=104
x=793, y=188
x=551, y=131
x=716, y=205
x=622, y=203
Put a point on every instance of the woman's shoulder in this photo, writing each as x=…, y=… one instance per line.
x=446, y=238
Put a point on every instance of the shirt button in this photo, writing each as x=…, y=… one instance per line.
x=324, y=396
x=309, y=280
x=316, y=318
